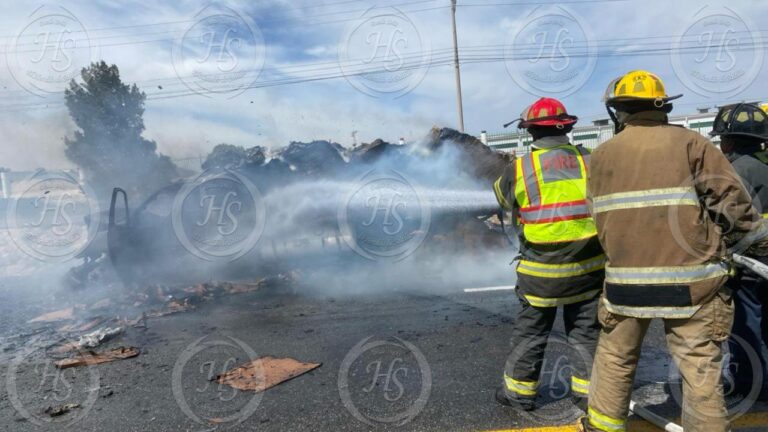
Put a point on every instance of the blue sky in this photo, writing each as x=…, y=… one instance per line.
x=712, y=52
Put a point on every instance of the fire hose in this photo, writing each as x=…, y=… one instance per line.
x=752, y=264
x=653, y=418
x=749, y=263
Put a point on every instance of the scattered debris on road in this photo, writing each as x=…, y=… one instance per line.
x=94, y=358
x=264, y=373
x=59, y=315
x=61, y=409
x=94, y=339
x=79, y=327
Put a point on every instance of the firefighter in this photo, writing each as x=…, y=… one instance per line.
x=666, y=204
x=742, y=129
x=560, y=263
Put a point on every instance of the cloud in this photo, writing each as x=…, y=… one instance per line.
x=302, y=40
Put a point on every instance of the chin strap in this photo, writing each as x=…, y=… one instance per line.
x=617, y=127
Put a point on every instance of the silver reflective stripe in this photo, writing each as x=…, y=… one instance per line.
x=579, y=385
x=531, y=182
x=664, y=275
x=671, y=312
x=605, y=423
x=551, y=214
x=525, y=388
x=645, y=198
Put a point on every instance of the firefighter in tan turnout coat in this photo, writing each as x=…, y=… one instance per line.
x=667, y=205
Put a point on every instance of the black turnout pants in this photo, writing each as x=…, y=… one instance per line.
x=529, y=341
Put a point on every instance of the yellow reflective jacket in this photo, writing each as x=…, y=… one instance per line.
x=562, y=261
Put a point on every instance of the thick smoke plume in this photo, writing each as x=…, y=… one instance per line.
x=383, y=216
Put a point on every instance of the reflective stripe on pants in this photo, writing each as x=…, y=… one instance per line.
x=522, y=388
x=696, y=347
x=604, y=423
x=537, y=269
x=531, y=334
x=579, y=386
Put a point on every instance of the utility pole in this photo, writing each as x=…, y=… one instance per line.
x=456, y=68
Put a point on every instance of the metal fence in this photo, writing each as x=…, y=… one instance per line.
x=519, y=143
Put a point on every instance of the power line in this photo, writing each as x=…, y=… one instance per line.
x=500, y=51
x=435, y=61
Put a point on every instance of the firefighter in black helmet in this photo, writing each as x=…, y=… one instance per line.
x=743, y=128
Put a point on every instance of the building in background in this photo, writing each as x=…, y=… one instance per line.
x=591, y=136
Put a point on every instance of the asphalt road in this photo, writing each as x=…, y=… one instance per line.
x=396, y=361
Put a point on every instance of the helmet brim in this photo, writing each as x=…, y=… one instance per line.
x=560, y=121
x=630, y=99
x=744, y=134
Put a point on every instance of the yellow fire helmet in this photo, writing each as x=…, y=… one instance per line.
x=637, y=85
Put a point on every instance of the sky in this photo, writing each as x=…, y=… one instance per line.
x=270, y=72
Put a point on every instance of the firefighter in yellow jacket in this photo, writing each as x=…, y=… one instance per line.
x=561, y=263
x=667, y=205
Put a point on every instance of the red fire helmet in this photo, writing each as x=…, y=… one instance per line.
x=546, y=112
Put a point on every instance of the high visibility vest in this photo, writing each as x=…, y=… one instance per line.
x=551, y=190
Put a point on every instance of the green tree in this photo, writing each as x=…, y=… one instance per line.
x=108, y=147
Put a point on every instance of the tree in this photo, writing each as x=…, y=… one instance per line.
x=108, y=147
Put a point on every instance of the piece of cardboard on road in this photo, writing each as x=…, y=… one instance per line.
x=94, y=358
x=265, y=372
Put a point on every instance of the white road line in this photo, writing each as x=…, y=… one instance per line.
x=486, y=289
